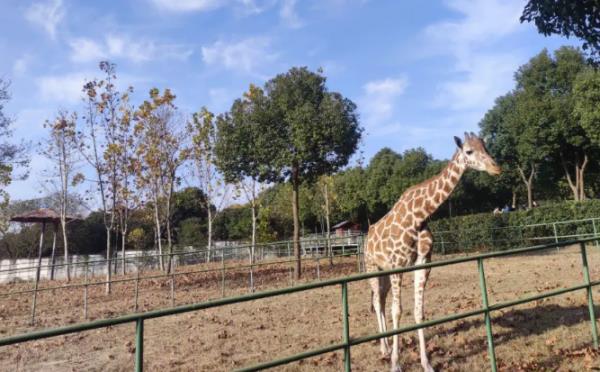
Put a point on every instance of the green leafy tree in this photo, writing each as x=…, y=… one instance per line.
x=237, y=149
x=579, y=18
x=12, y=156
x=306, y=131
x=586, y=93
x=495, y=128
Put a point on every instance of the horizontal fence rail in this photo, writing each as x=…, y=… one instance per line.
x=347, y=341
x=504, y=237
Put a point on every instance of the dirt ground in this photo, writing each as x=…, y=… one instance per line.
x=549, y=335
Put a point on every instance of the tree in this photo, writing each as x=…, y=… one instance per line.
x=160, y=152
x=587, y=103
x=305, y=131
x=203, y=135
x=12, y=156
x=62, y=150
x=495, y=129
x=237, y=150
x=579, y=18
x=107, y=116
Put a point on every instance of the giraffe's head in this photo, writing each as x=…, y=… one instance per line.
x=474, y=154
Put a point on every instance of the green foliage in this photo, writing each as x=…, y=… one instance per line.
x=192, y=231
x=484, y=231
x=579, y=18
x=587, y=103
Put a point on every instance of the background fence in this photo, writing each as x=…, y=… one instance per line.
x=347, y=340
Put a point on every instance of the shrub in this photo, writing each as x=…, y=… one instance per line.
x=486, y=232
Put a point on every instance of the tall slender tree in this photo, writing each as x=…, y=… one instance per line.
x=106, y=111
x=160, y=152
x=202, y=132
x=62, y=149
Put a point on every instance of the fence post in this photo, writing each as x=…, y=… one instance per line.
x=443, y=245
x=289, y=254
x=172, y=279
x=488, y=320
x=595, y=232
x=222, y=273
x=85, y=292
x=137, y=288
x=318, y=269
x=139, y=345
x=555, y=233
x=346, y=330
x=251, y=259
x=586, y=276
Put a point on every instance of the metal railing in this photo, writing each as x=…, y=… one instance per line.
x=347, y=340
x=349, y=248
x=500, y=237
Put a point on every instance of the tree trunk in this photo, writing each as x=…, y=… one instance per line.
x=581, y=177
x=53, y=258
x=328, y=227
x=108, y=260
x=123, y=234
x=528, y=183
x=253, y=249
x=63, y=223
x=169, y=246
x=578, y=186
x=158, y=235
x=296, y=237
x=209, y=245
x=514, y=200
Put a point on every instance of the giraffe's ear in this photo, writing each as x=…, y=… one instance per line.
x=458, y=142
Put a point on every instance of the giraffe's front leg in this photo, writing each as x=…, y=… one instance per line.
x=423, y=254
x=396, y=284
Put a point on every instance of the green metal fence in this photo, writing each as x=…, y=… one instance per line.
x=496, y=238
x=347, y=341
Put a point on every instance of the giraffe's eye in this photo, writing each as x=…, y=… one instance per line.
x=469, y=152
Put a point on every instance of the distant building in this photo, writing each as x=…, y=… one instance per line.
x=345, y=228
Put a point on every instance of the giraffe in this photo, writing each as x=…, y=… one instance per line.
x=401, y=238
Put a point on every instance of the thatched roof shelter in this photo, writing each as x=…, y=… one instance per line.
x=42, y=215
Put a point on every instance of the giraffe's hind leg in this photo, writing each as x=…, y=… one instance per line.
x=424, y=244
x=380, y=287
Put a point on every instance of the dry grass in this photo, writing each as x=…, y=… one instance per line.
x=552, y=334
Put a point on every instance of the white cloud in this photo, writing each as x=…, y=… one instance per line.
x=85, y=50
x=46, y=15
x=470, y=44
x=62, y=88
x=124, y=47
x=377, y=104
x=21, y=65
x=288, y=14
x=245, y=56
x=189, y=5
x=488, y=77
x=184, y=6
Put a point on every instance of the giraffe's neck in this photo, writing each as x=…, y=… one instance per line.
x=434, y=192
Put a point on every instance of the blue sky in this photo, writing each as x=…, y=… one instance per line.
x=419, y=71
